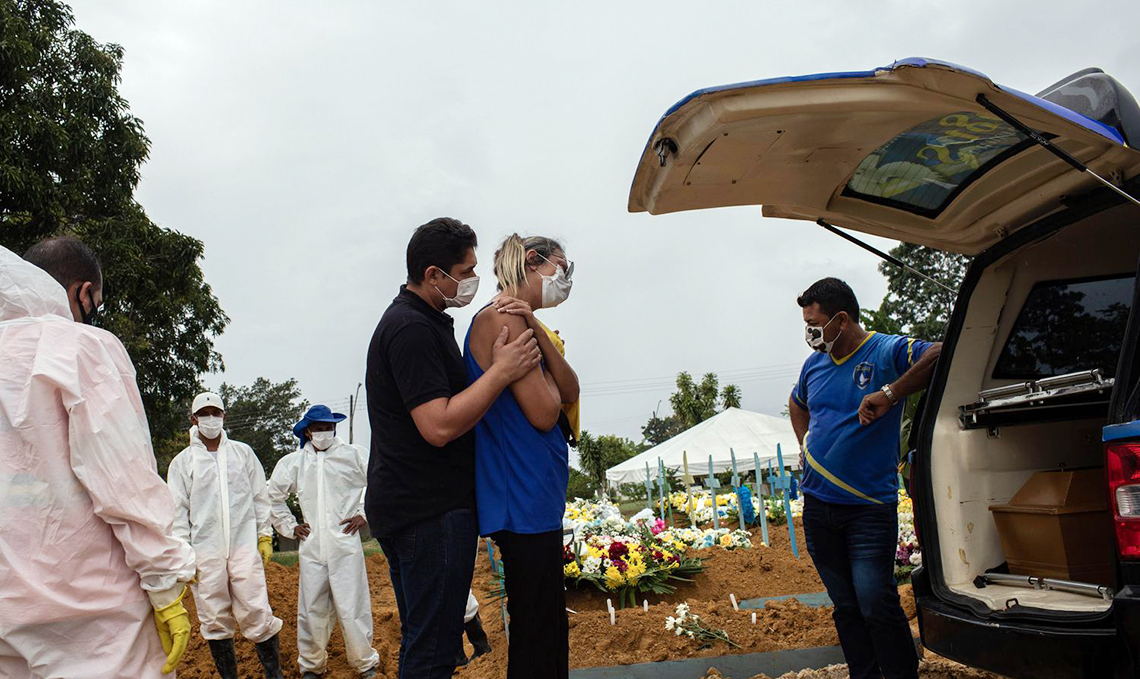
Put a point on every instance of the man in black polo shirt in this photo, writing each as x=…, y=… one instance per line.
x=421, y=475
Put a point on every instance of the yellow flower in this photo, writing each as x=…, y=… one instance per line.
x=614, y=578
x=571, y=570
x=726, y=540
x=594, y=551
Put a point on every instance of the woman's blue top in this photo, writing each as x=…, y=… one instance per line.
x=520, y=472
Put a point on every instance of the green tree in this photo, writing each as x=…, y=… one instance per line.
x=262, y=415
x=661, y=429
x=730, y=396
x=596, y=454
x=70, y=163
x=694, y=402
x=914, y=306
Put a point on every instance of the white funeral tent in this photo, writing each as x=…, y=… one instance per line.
x=733, y=430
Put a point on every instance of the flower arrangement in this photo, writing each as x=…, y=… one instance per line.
x=695, y=538
x=684, y=622
x=908, y=556
x=627, y=564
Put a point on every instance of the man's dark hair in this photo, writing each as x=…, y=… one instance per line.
x=442, y=242
x=67, y=259
x=832, y=295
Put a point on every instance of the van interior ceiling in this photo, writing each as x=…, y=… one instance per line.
x=1012, y=336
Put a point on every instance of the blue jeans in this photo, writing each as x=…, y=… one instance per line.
x=853, y=547
x=431, y=564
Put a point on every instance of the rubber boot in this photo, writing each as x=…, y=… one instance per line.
x=269, y=652
x=477, y=637
x=224, y=658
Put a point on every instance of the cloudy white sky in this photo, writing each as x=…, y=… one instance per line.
x=303, y=141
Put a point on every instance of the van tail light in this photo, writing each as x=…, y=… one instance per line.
x=1122, y=466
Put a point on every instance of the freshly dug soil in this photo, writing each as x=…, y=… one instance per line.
x=638, y=636
x=932, y=667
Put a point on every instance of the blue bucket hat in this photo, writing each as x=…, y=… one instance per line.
x=317, y=413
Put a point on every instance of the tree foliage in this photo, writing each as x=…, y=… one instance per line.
x=692, y=403
x=914, y=306
x=596, y=454
x=661, y=429
x=262, y=416
x=70, y=163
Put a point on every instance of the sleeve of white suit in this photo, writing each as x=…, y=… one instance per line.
x=261, y=507
x=282, y=484
x=111, y=455
x=180, y=491
x=362, y=465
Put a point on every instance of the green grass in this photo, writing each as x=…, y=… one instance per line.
x=290, y=558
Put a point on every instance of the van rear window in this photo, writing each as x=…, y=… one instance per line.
x=1068, y=326
x=925, y=167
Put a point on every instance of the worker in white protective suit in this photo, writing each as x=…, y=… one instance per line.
x=222, y=508
x=329, y=478
x=89, y=564
x=473, y=627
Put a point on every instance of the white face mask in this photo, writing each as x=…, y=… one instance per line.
x=463, y=294
x=323, y=439
x=813, y=335
x=210, y=426
x=556, y=287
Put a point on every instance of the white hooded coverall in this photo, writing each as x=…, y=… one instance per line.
x=221, y=509
x=85, y=521
x=330, y=488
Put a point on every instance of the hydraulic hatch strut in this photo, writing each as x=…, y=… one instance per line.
x=1049, y=146
x=893, y=260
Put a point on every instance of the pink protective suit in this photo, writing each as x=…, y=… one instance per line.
x=85, y=520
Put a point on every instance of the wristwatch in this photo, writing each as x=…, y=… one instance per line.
x=890, y=394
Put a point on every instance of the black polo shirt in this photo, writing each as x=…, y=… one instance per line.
x=413, y=358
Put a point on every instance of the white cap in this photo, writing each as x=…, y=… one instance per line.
x=205, y=400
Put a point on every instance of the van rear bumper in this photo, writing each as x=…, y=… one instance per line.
x=1028, y=651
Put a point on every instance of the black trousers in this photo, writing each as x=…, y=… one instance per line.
x=536, y=601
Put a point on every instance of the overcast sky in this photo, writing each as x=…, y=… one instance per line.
x=302, y=142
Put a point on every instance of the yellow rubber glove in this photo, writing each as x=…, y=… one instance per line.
x=265, y=546
x=173, y=623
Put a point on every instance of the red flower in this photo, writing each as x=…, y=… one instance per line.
x=567, y=554
x=618, y=550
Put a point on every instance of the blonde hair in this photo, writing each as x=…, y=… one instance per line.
x=511, y=262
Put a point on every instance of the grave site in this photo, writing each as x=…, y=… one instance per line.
x=764, y=598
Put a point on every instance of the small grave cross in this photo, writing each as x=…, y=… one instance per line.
x=688, y=488
x=713, y=485
x=784, y=483
x=666, y=491
x=760, y=497
x=648, y=489
x=735, y=485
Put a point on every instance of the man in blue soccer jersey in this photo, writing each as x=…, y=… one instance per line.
x=846, y=410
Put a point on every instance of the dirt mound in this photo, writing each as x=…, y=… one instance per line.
x=933, y=667
x=639, y=636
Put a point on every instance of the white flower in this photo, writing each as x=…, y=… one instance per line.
x=682, y=610
x=916, y=559
x=679, y=631
x=670, y=623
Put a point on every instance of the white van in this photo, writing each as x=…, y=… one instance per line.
x=1039, y=370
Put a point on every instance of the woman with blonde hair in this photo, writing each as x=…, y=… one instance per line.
x=521, y=465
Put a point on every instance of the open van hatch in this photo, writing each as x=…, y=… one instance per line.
x=904, y=152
